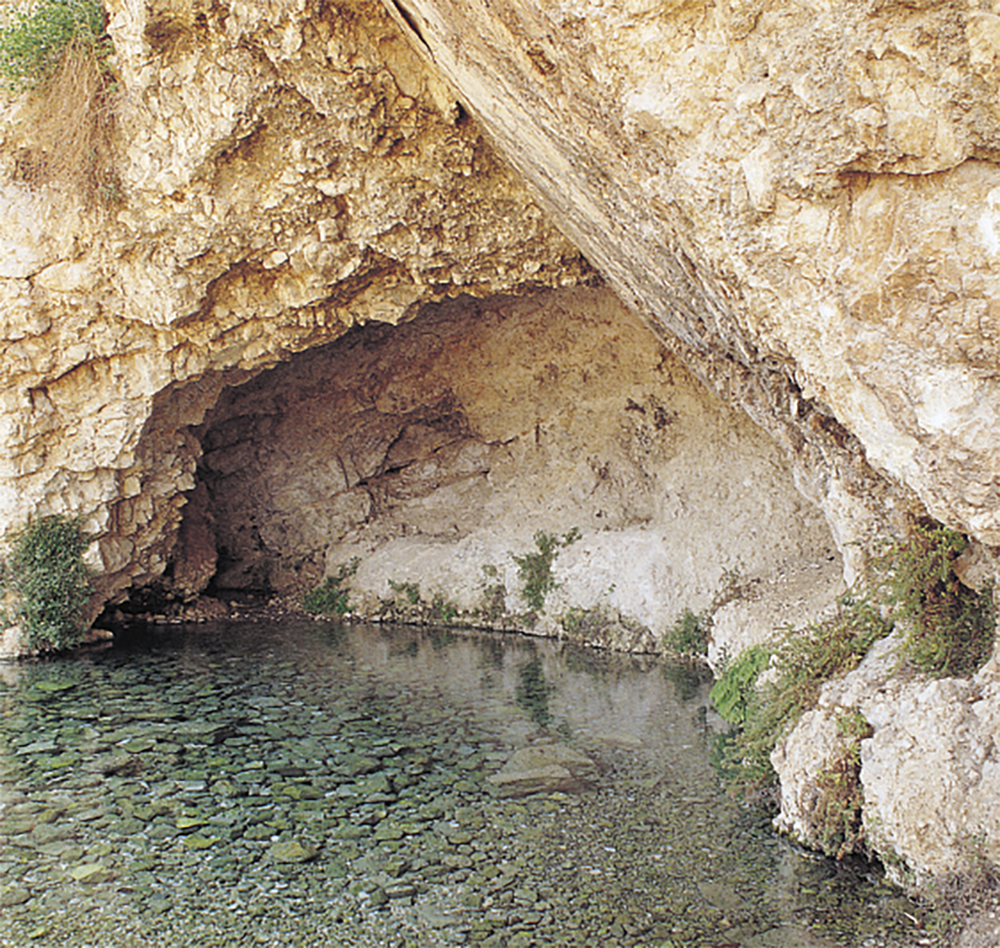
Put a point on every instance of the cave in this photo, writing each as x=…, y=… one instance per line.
x=431, y=452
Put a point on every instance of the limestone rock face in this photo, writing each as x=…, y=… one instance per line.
x=437, y=448
x=286, y=172
x=930, y=773
x=805, y=193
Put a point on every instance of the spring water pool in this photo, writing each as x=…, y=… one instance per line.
x=312, y=784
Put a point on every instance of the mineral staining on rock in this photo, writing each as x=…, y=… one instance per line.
x=427, y=451
x=802, y=204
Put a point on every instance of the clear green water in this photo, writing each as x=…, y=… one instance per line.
x=309, y=784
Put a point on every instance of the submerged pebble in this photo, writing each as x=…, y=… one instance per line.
x=307, y=784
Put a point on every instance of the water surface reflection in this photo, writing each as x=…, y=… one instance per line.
x=313, y=784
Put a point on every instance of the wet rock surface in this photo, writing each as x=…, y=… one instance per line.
x=237, y=785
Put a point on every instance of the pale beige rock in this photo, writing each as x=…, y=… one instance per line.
x=758, y=179
x=929, y=772
x=279, y=188
x=766, y=608
x=441, y=447
x=545, y=768
x=801, y=200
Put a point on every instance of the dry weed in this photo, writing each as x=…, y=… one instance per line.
x=68, y=129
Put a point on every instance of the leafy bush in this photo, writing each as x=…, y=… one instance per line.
x=442, y=609
x=802, y=662
x=733, y=691
x=494, y=593
x=409, y=591
x=535, y=569
x=328, y=598
x=36, y=40
x=50, y=583
x=948, y=628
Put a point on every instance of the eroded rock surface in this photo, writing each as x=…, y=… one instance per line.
x=802, y=202
x=432, y=450
x=930, y=772
x=807, y=193
x=286, y=173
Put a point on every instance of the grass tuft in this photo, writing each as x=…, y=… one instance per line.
x=58, y=53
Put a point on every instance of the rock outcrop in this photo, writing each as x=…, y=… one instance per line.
x=286, y=174
x=804, y=195
x=801, y=206
x=929, y=772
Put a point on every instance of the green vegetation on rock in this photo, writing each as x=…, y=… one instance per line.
x=36, y=39
x=946, y=629
x=734, y=690
x=689, y=633
x=841, y=797
x=535, y=569
x=802, y=661
x=494, y=602
x=329, y=598
x=49, y=582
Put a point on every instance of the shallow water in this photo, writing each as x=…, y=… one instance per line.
x=311, y=784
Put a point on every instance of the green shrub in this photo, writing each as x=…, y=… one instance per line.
x=58, y=52
x=948, y=628
x=50, y=583
x=535, y=569
x=442, y=609
x=328, y=598
x=802, y=662
x=689, y=633
x=35, y=41
x=840, y=804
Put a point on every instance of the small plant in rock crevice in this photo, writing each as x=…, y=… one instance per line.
x=535, y=569
x=442, y=609
x=840, y=796
x=603, y=626
x=494, y=599
x=329, y=598
x=948, y=628
x=49, y=582
x=691, y=631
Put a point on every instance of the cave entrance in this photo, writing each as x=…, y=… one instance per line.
x=431, y=451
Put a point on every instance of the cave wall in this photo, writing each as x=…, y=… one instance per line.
x=286, y=173
x=434, y=448
x=804, y=194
